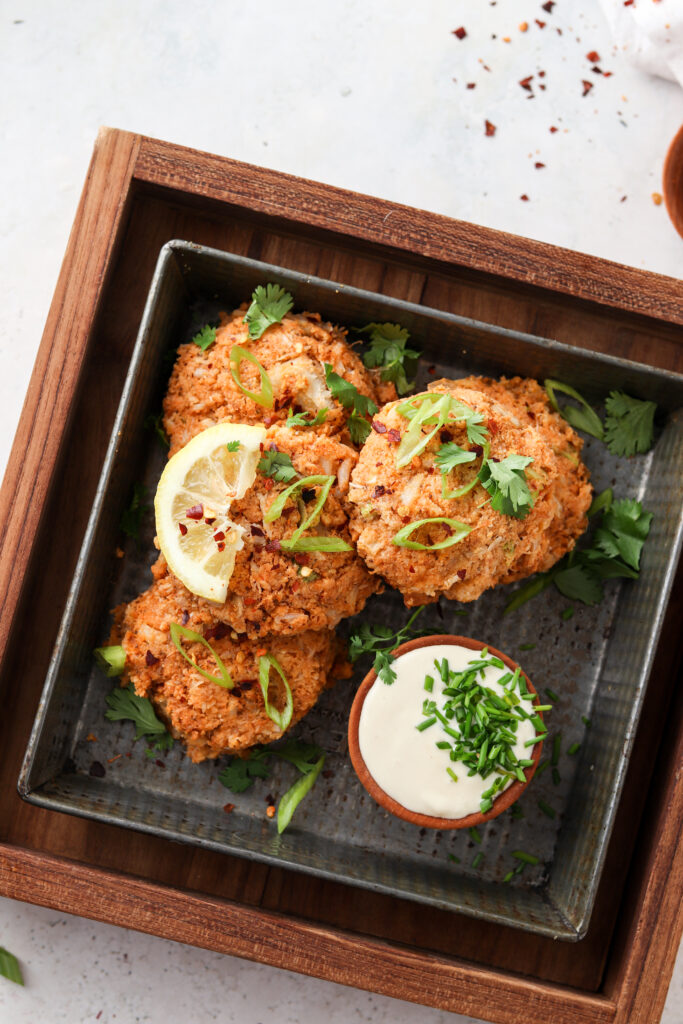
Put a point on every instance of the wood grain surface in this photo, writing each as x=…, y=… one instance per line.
x=136, y=198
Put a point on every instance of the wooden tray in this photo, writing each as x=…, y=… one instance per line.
x=139, y=194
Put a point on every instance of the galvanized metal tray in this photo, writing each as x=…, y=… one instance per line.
x=598, y=661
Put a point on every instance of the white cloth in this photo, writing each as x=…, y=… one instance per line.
x=650, y=33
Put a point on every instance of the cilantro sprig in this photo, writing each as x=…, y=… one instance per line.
x=277, y=465
x=614, y=552
x=132, y=516
x=306, y=419
x=387, y=349
x=629, y=422
x=240, y=773
x=126, y=705
x=506, y=483
x=359, y=406
x=269, y=305
x=205, y=338
x=381, y=641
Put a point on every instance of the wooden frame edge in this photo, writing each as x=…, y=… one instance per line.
x=271, y=938
x=433, y=236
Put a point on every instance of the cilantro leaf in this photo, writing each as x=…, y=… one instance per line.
x=476, y=433
x=348, y=395
x=131, y=517
x=388, y=350
x=277, y=465
x=155, y=423
x=629, y=424
x=623, y=531
x=381, y=641
x=359, y=428
x=126, y=705
x=268, y=306
x=295, y=794
x=451, y=455
x=306, y=419
x=239, y=774
x=205, y=338
x=583, y=418
x=506, y=483
x=233, y=446
x=9, y=967
x=579, y=583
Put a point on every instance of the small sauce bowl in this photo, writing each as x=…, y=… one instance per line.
x=502, y=802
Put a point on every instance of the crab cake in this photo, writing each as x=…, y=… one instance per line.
x=276, y=590
x=202, y=391
x=479, y=546
x=209, y=719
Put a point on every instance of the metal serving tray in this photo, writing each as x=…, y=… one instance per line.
x=598, y=661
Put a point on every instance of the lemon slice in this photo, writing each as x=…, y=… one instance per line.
x=192, y=505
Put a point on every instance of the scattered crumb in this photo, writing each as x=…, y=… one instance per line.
x=657, y=198
x=459, y=32
x=91, y=737
x=524, y=198
x=490, y=128
x=524, y=26
x=270, y=810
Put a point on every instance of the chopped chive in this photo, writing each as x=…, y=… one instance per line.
x=527, y=647
x=443, y=745
x=557, y=747
x=543, y=707
x=461, y=611
x=474, y=834
x=477, y=860
x=556, y=777
x=567, y=613
x=574, y=748
x=509, y=876
x=520, y=867
x=546, y=808
x=527, y=858
x=451, y=856
x=551, y=695
x=526, y=762
x=534, y=741
x=429, y=683
x=542, y=767
x=426, y=724
x=452, y=774
x=586, y=721
x=486, y=805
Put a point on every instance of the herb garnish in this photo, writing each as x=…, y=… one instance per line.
x=9, y=967
x=451, y=455
x=306, y=419
x=111, y=659
x=205, y=338
x=614, y=552
x=388, y=350
x=277, y=465
x=585, y=418
x=280, y=718
x=360, y=406
x=240, y=773
x=131, y=517
x=269, y=305
x=629, y=422
x=264, y=397
x=458, y=532
x=126, y=705
x=155, y=423
x=506, y=483
x=381, y=641
x=179, y=632
x=233, y=446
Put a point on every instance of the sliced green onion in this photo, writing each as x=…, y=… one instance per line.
x=526, y=858
x=567, y=613
x=295, y=794
x=277, y=508
x=459, y=492
x=452, y=774
x=263, y=397
x=281, y=718
x=474, y=834
x=551, y=695
x=585, y=419
x=534, y=741
x=452, y=856
x=477, y=860
x=429, y=683
x=112, y=659
x=177, y=631
x=509, y=876
x=528, y=647
x=315, y=544
x=401, y=539
x=9, y=967
x=601, y=502
x=546, y=808
x=426, y=724
x=431, y=409
x=574, y=749
x=586, y=721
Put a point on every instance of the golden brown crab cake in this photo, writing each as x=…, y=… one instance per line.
x=209, y=719
x=276, y=590
x=498, y=548
x=293, y=353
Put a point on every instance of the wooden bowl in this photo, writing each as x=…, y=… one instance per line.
x=672, y=181
x=500, y=804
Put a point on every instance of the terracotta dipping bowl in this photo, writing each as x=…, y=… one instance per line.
x=672, y=181
x=500, y=804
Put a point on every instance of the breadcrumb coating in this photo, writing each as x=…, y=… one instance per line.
x=209, y=719
x=499, y=548
x=202, y=392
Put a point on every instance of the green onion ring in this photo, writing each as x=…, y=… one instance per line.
x=594, y=425
x=281, y=718
x=177, y=631
x=277, y=508
x=401, y=540
x=263, y=397
x=460, y=491
x=315, y=543
x=112, y=659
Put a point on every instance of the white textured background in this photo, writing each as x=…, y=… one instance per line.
x=366, y=94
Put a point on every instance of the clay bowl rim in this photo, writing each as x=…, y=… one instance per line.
x=502, y=803
x=672, y=181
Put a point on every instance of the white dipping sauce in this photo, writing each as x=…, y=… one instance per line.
x=405, y=762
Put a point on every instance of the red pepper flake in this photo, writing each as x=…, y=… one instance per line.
x=302, y=559
x=182, y=528
x=526, y=83
x=228, y=808
x=410, y=569
x=541, y=86
x=405, y=519
x=150, y=660
x=493, y=427
x=548, y=6
x=490, y=128
x=210, y=521
x=185, y=617
x=394, y=435
x=273, y=545
x=378, y=427
x=541, y=74
x=110, y=760
x=461, y=574
x=593, y=57
x=256, y=531
x=379, y=491
x=196, y=512
x=459, y=32
x=221, y=545
x=217, y=632
x=628, y=3
x=623, y=199
x=553, y=129
x=160, y=764
x=431, y=370
x=587, y=86
x=219, y=536
x=524, y=198
x=478, y=450
x=538, y=165
x=607, y=74
x=269, y=483
x=471, y=85
x=541, y=24
x=270, y=811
